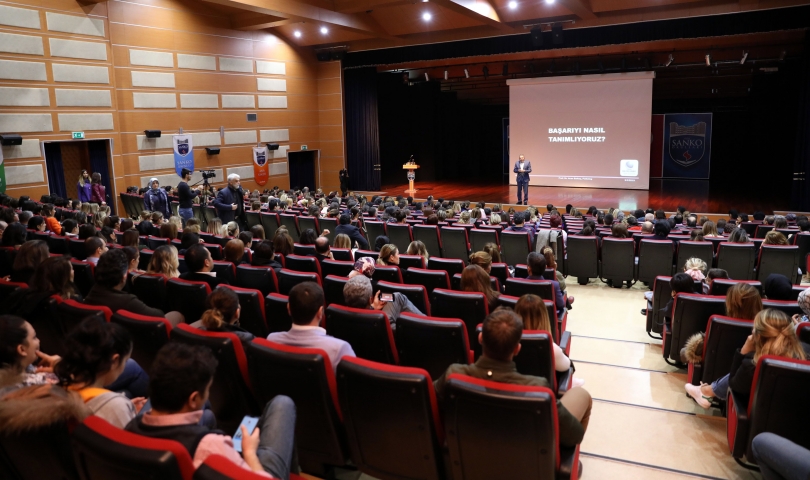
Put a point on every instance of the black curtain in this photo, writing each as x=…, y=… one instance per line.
x=56, y=172
x=362, y=128
x=99, y=161
x=301, y=167
x=801, y=193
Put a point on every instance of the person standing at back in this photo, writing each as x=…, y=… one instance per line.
x=155, y=199
x=98, y=193
x=84, y=188
x=523, y=168
x=229, y=204
x=186, y=196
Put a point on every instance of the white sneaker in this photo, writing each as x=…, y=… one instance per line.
x=695, y=393
x=577, y=382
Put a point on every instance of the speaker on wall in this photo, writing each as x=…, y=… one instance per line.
x=212, y=150
x=10, y=139
x=272, y=146
x=557, y=34
x=537, y=36
x=152, y=133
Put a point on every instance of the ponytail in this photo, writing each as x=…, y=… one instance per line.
x=221, y=306
x=774, y=335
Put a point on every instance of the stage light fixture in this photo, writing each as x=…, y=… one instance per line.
x=427, y=77
x=505, y=69
x=513, y=4
x=445, y=74
x=669, y=60
x=486, y=71
x=466, y=73
x=297, y=34
x=708, y=60
x=549, y=2
x=426, y=16
x=324, y=30
x=744, y=57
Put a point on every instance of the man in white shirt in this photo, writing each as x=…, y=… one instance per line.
x=95, y=248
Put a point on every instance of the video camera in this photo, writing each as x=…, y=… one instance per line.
x=206, y=174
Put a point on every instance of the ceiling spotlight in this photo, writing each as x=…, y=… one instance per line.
x=466, y=73
x=708, y=60
x=324, y=30
x=549, y=2
x=669, y=60
x=513, y=4
x=426, y=16
x=297, y=34
x=427, y=78
x=445, y=74
x=744, y=57
x=486, y=71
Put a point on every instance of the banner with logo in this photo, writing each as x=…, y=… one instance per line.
x=2, y=173
x=183, y=153
x=261, y=169
x=687, y=145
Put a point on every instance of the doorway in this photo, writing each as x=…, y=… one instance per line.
x=301, y=166
x=65, y=161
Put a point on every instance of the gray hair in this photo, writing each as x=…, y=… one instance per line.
x=232, y=177
x=358, y=292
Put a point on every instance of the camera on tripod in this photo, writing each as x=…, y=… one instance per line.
x=206, y=174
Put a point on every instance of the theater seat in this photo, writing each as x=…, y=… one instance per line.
x=480, y=417
x=662, y=292
x=618, y=260
x=148, y=334
x=738, y=259
x=430, y=279
x=417, y=294
x=290, y=278
x=432, y=343
x=790, y=307
x=720, y=286
x=336, y=267
x=690, y=315
x=724, y=335
x=252, y=317
x=367, y=331
x=217, y=467
x=333, y=289
x=38, y=453
x=83, y=276
x=307, y=377
x=408, y=261
x=654, y=259
x=405, y=444
x=515, y=246
x=231, y=396
x=278, y=317
x=471, y=307
x=105, y=452
x=150, y=288
x=187, y=297
x=261, y=278
x=7, y=288
x=781, y=259
x=583, y=258
x=70, y=313
x=387, y=274
x=803, y=332
x=517, y=287
x=301, y=263
x=774, y=406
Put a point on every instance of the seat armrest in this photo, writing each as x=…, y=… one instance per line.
x=569, y=463
x=564, y=380
x=694, y=373
x=562, y=323
x=737, y=426
x=565, y=343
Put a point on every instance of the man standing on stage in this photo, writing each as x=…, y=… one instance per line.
x=186, y=195
x=523, y=168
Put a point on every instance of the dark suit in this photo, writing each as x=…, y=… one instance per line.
x=213, y=282
x=523, y=180
x=571, y=430
x=354, y=235
x=225, y=198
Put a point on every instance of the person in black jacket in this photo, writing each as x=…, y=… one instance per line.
x=186, y=196
x=351, y=231
x=200, y=266
x=344, y=182
x=229, y=201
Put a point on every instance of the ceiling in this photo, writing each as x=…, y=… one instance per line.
x=373, y=24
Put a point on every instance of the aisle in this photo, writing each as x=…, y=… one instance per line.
x=642, y=425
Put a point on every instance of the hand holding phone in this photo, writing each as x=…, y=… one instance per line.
x=249, y=424
x=387, y=297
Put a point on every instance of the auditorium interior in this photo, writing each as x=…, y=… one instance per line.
x=316, y=87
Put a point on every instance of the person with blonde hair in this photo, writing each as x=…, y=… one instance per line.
x=417, y=247
x=494, y=219
x=710, y=229
x=164, y=262
x=475, y=279
x=494, y=251
x=389, y=255
x=222, y=314
x=774, y=238
x=773, y=334
x=695, y=268
x=342, y=241
x=214, y=226
x=84, y=187
x=464, y=219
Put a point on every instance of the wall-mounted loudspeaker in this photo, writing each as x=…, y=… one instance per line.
x=557, y=34
x=537, y=36
x=152, y=133
x=272, y=146
x=10, y=139
x=212, y=150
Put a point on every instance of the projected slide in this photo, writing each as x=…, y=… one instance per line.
x=583, y=131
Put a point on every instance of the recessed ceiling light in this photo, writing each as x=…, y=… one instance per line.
x=324, y=30
x=426, y=16
x=513, y=4
x=297, y=34
x=549, y=2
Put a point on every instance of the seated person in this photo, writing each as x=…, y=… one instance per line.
x=94, y=247
x=777, y=287
x=96, y=354
x=179, y=387
x=30, y=255
x=111, y=277
x=536, y=266
x=322, y=250
x=164, y=262
x=200, y=266
x=264, y=255
x=389, y=256
x=363, y=266
x=500, y=340
x=305, y=306
x=519, y=220
x=680, y=283
x=359, y=294
x=476, y=279
x=222, y=314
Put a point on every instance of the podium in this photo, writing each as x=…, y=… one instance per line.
x=411, y=169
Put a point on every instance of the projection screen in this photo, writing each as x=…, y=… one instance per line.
x=583, y=131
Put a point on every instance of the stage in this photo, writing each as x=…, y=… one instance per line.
x=696, y=195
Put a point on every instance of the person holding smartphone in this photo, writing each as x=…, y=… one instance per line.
x=179, y=384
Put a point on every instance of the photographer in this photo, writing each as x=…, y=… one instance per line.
x=344, y=182
x=186, y=195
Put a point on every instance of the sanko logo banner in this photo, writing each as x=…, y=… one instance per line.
x=687, y=145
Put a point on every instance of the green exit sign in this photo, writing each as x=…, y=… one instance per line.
x=303, y=147
x=78, y=135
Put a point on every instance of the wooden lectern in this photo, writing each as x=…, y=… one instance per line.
x=411, y=169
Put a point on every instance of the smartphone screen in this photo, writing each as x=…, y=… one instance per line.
x=387, y=297
x=249, y=423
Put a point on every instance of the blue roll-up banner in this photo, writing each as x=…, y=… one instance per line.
x=687, y=145
x=183, y=153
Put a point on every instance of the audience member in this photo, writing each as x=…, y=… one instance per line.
x=264, y=256
x=345, y=227
x=200, y=267
x=222, y=314
x=30, y=255
x=234, y=251
x=475, y=279
x=94, y=248
x=358, y=293
x=536, y=266
x=164, y=262
x=363, y=266
x=417, y=247
x=778, y=287
x=519, y=221
x=389, y=255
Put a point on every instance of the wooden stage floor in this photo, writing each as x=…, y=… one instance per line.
x=696, y=195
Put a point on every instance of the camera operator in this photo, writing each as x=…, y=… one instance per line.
x=186, y=195
x=344, y=182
